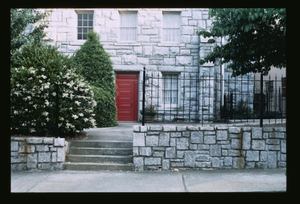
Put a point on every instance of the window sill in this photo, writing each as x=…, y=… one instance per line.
x=127, y=43
x=171, y=44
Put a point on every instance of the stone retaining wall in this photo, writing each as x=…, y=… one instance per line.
x=37, y=153
x=208, y=148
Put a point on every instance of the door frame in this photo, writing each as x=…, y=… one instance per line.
x=138, y=89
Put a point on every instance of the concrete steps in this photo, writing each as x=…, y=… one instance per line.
x=99, y=155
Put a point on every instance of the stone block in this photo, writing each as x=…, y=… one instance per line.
x=184, y=60
x=234, y=130
x=280, y=129
x=185, y=134
x=170, y=152
x=181, y=128
x=258, y=144
x=182, y=143
x=59, y=142
x=250, y=165
x=279, y=135
x=273, y=147
x=222, y=135
x=27, y=149
x=215, y=162
x=48, y=140
x=32, y=161
x=152, y=141
x=202, y=164
x=272, y=159
x=246, y=129
x=227, y=161
x=283, y=146
x=14, y=146
x=252, y=156
x=246, y=140
x=44, y=157
x=53, y=157
x=136, y=128
x=34, y=140
x=135, y=151
x=189, y=159
x=236, y=144
x=256, y=133
x=164, y=139
x=143, y=128
x=196, y=137
x=152, y=161
x=209, y=132
x=174, y=51
x=145, y=151
x=192, y=127
x=203, y=147
x=209, y=139
x=169, y=61
x=155, y=128
x=201, y=158
x=234, y=153
x=214, y=150
x=273, y=141
x=160, y=51
x=138, y=139
x=158, y=154
x=187, y=30
x=147, y=51
x=129, y=59
x=172, y=142
x=180, y=154
x=193, y=146
x=238, y=162
x=166, y=164
x=18, y=159
x=175, y=134
x=169, y=128
x=207, y=128
x=42, y=148
x=138, y=163
x=60, y=155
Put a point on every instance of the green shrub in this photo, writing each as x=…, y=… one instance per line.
x=34, y=74
x=94, y=64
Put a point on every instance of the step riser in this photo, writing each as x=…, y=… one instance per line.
x=101, y=151
x=97, y=168
x=102, y=144
x=71, y=158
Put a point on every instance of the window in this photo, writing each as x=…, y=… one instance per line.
x=170, y=89
x=84, y=24
x=171, y=26
x=128, y=24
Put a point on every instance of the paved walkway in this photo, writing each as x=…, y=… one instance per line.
x=254, y=180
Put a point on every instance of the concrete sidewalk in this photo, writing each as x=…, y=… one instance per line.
x=245, y=180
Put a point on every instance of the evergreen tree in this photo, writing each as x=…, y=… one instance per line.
x=94, y=64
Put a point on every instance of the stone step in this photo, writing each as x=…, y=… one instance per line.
x=99, y=159
x=102, y=143
x=98, y=166
x=100, y=151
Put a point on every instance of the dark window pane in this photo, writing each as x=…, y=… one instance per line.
x=84, y=36
x=79, y=30
x=84, y=23
x=84, y=30
x=80, y=16
x=79, y=23
x=79, y=36
x=90, y=23
x=90, y=16
x=85, y=16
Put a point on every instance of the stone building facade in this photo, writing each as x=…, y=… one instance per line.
x=162, y=40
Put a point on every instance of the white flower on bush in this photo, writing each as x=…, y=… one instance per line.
x=45, y=113
x=65, y=95
x=43, y=69
x=16, y=112
x=53, y=93
x=80, y=114
x=31, y=130
x=77, y=102
x=47, y=103
x=74, y=116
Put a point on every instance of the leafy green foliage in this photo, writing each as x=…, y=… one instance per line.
x=94, y=64
x=35, y=73
x=256, y=38
x=19, y=20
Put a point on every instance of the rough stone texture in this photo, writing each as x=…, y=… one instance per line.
x=138, y=139
x=197, y=147
x=34, y=153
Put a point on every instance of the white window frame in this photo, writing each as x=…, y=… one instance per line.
x=162, y=89
x=168, y=26
x=121, y=13
x=88, y=27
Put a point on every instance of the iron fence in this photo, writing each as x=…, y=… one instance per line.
x=194, y=98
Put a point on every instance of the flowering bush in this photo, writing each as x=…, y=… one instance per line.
x=34, y=91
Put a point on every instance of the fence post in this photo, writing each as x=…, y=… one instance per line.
x=143, y=120
x=56, y=109
x=261, y=99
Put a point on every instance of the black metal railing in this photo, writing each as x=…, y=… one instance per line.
x=194, y=98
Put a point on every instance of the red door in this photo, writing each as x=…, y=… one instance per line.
x=127, y=96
